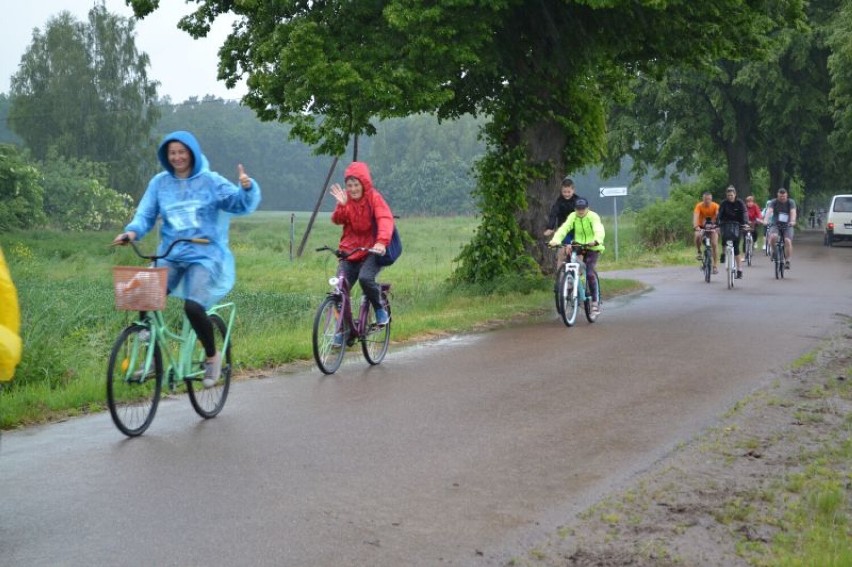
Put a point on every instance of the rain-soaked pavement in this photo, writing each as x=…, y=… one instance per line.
x=458, y=452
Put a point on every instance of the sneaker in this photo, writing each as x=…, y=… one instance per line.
x=338, y=340
x=596, y=308
x=715, y=270
x=212, y=370
x=382, y=317
x=739, y=274
x=699, y=257
x=787, y=265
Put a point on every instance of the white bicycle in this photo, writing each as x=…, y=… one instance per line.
x=572, y=288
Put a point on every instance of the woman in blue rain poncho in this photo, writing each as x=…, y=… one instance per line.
x=194, y=202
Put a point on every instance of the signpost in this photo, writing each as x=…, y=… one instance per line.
x=614, y=192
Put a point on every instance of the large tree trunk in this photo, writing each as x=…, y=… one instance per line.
x=777, y=176
x=736, y=152
x=545, y=143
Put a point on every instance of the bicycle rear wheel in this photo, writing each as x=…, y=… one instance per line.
x=592, y=316
x=329, y=336
x=374, y=342
x=208, y=402
x=560, y=277
x=568, y=300
x=132, y=392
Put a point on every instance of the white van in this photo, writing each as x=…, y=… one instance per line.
x=838, y=225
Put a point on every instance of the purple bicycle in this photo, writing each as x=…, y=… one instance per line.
x=335, y=329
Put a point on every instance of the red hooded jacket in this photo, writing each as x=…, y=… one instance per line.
x=365, y=221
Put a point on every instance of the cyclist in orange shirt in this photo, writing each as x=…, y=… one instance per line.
x=706, y=211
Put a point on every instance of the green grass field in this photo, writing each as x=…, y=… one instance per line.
x=69, y=323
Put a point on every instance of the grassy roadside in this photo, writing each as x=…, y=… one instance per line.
x=770, y=485
x=69, y=324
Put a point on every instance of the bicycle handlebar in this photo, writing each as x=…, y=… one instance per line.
x=343, y=255
x=168, y=251
x=577, y=245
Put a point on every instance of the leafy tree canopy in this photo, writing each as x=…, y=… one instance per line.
x=541, y=72
x=770, y=112
x=83, y=90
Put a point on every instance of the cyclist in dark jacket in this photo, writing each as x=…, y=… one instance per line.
x=564, y=205
x=733, y=211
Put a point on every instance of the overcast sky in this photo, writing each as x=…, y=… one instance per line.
x=184, y=67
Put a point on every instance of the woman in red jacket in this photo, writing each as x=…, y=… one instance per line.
x=367, y=222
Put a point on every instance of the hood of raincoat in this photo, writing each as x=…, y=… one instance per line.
x=188, y=140
x=360, y=171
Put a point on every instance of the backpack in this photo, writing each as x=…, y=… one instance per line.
x=394, y=248
x=393, y=251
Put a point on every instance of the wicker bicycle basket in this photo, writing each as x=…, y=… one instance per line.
x=140, y=289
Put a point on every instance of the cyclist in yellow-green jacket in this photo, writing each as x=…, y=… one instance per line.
x=10, y=324
x=588, y=229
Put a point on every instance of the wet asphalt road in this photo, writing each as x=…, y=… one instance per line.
x=459, y=452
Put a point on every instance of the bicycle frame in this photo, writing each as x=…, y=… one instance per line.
x=342, y=292
x=177, y=348
x=577, y=267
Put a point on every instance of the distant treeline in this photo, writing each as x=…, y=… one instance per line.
x=421, y=166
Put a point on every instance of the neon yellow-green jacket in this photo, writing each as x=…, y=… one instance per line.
x=586, y=229
x=10, y=324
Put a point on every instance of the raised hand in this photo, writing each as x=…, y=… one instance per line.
x=245, y=180
x=339, y=194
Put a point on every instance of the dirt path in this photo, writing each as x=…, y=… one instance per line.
x=714, y=501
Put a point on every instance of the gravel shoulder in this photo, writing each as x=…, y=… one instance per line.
x=716, y=500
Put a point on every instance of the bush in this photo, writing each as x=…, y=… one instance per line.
x=77, y=198
x=670, y=221
x=21, y=192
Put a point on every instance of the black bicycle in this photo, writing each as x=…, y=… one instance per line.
x=779, y=254
x=707, y=253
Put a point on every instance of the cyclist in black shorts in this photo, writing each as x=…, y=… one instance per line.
x=782, y=211
x=732, y=210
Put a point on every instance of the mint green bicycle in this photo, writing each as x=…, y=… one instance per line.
x=149, y=350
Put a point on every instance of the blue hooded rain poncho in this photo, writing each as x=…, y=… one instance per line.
x=199, y=206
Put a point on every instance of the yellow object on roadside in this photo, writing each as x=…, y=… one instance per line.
x=10, y=324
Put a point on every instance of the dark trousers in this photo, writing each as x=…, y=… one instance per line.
x=591, y=261
x=365, y=273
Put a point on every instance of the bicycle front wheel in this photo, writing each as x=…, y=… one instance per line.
x=779, y=262
x=592, y=315
x=568, y=300
x=708, y=265
x=329, y=336
x=133, y=391
x=375, y=341
x=749, y=249
x=208, y=402
x=731, y=267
